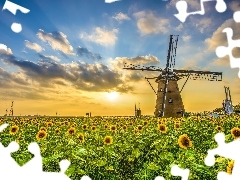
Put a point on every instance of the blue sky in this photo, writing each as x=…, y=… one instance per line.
x=73, y=51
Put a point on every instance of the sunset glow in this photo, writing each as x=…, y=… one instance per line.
x=72, y=62
x=112, y=96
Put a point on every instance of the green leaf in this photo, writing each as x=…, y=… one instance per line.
x=153, y=166
x=169, y=156
x=189, y=153
x=81, y=151
x=228, y=137
x=70, y=171
x=136, y=153
x=101, y=162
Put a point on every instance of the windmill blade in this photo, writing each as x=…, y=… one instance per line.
x=169, y=66
x=173, y=51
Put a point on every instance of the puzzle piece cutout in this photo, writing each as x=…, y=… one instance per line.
x=176, y=171
x=9, y=168
x=222, y=51
x=236, y=16
x=111, y=1
x=182, y=6
x=227, y=150
x=12, y=7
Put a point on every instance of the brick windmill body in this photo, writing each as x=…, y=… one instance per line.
x=169, y=102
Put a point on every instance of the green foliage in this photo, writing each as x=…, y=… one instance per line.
x=143, y=155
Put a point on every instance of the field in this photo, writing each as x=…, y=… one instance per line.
x=123, y=147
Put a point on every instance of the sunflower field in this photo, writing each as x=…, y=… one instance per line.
x=123, y=148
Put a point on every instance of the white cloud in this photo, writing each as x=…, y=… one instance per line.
x=204, y=24
x=5, y=50
x=186, y=38
x=219, y=38
x=53, y=58
x=221, y=62
x=57, y=40
x=121, y=17
x=33, y=46
x=119, y=62
x=179, y=28
x=148, y=23
x=101, y=36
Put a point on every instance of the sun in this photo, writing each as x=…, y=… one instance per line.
x=112, y=95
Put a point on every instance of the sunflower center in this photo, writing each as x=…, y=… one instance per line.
x=162, y=128
x=107, y=140
x=81, y=138
x=236, y=133
x=41, y=135
x=185, y=142
x=14, y=129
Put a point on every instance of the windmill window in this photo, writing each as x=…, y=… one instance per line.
x=170, y=100
x=161, y=89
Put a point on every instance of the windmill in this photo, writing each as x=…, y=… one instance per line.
x=169, y=102
x=227, y=105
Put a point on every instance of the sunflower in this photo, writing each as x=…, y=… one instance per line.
x=162, y=128
x=66, y=123
x=108, y=140
x=139, y=127
x=235, y=132
x=113, y=128
x=145, y=123
x=84, y=127
x=14, y=129
x=177, y=126
x=49, y=124
x=93, y=128
x=124, y=127
x=105, y=126
x=43, y=129
x=130, y=124
x=81, y=137
x=219, y=128
x=57, y=131
x=230, y=167
x=74, y=125
x=184, y=141
x=41, y=135
x=136, y=132
x=160, y=121
x=71, y=131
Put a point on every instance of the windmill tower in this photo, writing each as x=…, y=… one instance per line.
x=169, y=102
x=227, y=105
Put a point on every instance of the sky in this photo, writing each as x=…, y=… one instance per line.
x=69, y=57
